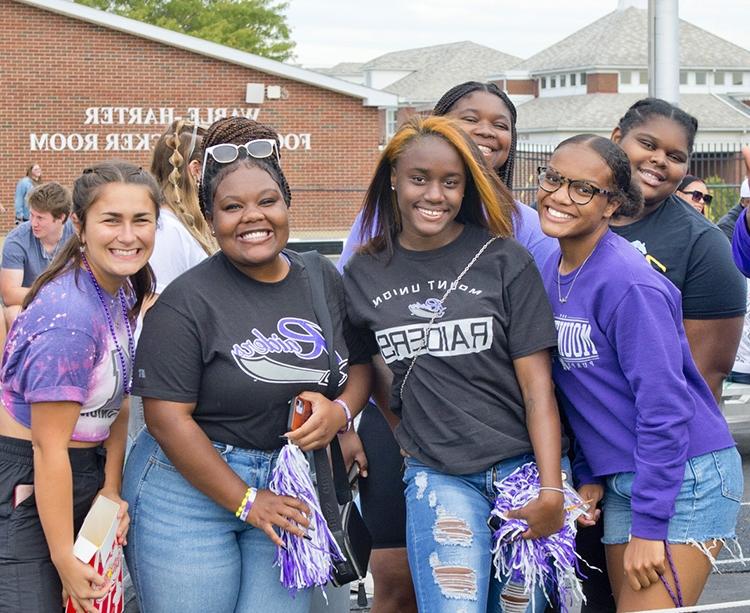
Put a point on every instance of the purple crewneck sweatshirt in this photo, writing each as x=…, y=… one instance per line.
x=741, y=244
x=526, y=230
x=630, y=388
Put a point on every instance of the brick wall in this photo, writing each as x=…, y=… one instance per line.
x=601, y=83
x=53, y=68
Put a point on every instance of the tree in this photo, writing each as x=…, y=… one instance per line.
x=256, y=26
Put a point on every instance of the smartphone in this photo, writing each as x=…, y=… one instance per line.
x=21, y=492
x=299, y=412
x=354, y=473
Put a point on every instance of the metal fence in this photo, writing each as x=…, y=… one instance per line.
x=719, y=165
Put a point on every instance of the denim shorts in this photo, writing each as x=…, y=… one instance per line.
x=706, y=506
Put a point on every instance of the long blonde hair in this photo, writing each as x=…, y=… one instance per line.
x=176, y=148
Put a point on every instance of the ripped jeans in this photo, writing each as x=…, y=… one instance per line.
x=448, y=539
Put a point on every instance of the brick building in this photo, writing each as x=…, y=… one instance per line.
x=79, y=85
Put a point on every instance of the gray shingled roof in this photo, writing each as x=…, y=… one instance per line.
x=598, y=112
x=620, y=39
x=342, y=68
x=438, y=68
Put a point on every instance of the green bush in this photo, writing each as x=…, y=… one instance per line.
x=725, y=197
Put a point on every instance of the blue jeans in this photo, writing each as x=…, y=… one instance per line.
x=186, y=553
x=706, y=506
x=449, y=542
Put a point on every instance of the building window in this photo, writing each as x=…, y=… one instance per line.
x=583, y=78
x=643, y=77
x=573, y=79
x=544, y=82
x=700, y=77
x=625, y=77
x=736, y=78
x=553, y=82
x=719, y=77
x=562, y=80
x=391, y=123
x=683, y=77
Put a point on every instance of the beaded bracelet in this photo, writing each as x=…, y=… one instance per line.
x=247, y=503
x=347, y=410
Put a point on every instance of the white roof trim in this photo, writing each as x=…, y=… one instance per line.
x=369, y=96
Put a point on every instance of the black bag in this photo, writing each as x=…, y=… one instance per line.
x=340, y=512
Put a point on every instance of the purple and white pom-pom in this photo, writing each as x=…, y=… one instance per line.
x=550, y=562
x=303, y=563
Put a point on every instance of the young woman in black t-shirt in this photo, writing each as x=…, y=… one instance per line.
x=222, y=352
x=477, y=401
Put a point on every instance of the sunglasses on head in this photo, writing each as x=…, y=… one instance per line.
x=226, y=153
x=696, y=196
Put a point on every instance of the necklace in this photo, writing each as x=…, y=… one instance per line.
x=127, y=384
x=440, y=311
x=51, y=256
x=560, y=297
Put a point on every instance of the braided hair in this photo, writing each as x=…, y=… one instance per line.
x=238, y=131
x=453, y=95
x=176, y=148
x=646, y=108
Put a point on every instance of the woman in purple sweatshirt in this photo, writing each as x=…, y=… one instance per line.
x=651, y=438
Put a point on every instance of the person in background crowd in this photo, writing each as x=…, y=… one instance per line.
x=688, y=249
x=66, y=374
x=650, y=436
x=223, y=350
x=29, y=248
x=741, y=236
x=695, y=192
x=183, y=237
x=729, y=220
x=488, y=116
x=29, y=181
x=481, y=405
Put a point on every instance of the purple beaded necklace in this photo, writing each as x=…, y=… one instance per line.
x=127, y=385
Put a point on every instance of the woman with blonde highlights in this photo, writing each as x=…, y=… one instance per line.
x=457, y=311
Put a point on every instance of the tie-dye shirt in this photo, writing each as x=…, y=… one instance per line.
x=60, y=350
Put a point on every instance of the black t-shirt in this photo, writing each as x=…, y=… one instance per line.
x=241, y=349
x=694, y=255
x=462, y=408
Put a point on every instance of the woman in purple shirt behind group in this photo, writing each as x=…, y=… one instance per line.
x=651, y=438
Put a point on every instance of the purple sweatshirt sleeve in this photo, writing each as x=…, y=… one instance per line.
x=741, y=244
x=582, y=473
x=352, y=243
x=645, y=328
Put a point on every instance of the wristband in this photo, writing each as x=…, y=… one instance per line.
x=343, y=405
x=247, y=503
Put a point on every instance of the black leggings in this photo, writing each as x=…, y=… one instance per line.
x=382, y=493
x=28, y=579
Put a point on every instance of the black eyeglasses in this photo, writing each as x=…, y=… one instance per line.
x=697, y=195
x=579, y=192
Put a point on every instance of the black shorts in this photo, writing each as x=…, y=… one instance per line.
x=28, y=579
x=382, y=493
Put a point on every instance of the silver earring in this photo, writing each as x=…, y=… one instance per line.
x=393, y=188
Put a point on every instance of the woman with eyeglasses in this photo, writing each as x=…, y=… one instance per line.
x=694, y=191
x=225, y=348
x=650, y=436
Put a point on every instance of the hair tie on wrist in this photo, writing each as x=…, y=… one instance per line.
x=347, y=410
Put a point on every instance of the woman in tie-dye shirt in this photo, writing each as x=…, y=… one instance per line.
x=65, y=378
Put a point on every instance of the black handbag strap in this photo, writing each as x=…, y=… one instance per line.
x=333, y=486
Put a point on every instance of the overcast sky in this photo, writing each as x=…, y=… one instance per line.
x=331, y=31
